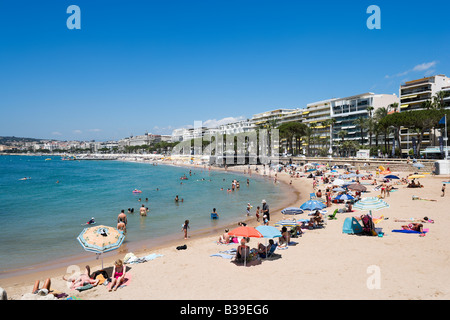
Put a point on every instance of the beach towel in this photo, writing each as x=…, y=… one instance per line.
x=130, y=258
x=223, y=255
x=409, y=231
x=86, y=287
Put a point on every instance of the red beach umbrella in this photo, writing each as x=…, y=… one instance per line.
x=249, y=232
x=245, y=232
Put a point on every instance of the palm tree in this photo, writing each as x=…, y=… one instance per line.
x=342, y=134
x=361, y=123
x=438, y=99
x=370, y=109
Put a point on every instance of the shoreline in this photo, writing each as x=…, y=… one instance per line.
x=57, y=268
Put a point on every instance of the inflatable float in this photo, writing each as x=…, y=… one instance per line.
x=137, y=191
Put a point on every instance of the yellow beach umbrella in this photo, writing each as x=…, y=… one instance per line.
x=416, y=176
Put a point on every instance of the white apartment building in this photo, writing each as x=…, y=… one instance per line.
x=346, y=110
x=278, y=115
x=242, y=126
x=413, y=94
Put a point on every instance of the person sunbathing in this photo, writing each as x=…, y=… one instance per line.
x=81, y=280
x=414, y=227
x=118, y=275
x=285, y=237
x=225, y=237
x=422, y=220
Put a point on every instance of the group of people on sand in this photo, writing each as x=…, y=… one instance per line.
x=86, y=280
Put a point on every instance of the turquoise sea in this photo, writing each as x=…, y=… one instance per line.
x=42, y=216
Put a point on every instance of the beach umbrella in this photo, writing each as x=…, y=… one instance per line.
x=418, y=165
x=338, y=182
x=339, y=189
x=287, y=223
x=246, y=232
x=344, y=197
x=416, y=176
x=100, y=239
x=357, y=187
x=391, y=176
x=371, y=203
x=291, y=210
x=269, y=232
x=313, y=205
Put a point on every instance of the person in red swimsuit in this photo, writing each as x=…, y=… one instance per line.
x=118, y=275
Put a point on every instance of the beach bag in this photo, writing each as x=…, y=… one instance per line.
x=369, y=227
x=183, y=247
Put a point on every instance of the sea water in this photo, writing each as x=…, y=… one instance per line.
x=42, y=216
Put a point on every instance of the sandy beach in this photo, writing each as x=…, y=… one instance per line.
x=322, y=264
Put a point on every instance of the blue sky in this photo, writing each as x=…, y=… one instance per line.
x=137, y=66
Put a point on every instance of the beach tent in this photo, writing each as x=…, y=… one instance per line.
x=351, y=226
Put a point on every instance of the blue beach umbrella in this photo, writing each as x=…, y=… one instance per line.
x=269, y=231
x=391, y=176
x=313, y=205
x=344, y=197
x=418, y=165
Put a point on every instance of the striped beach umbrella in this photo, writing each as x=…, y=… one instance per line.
x=100, y=239
x=287, y=223
x=371, y=203
x=292, y=210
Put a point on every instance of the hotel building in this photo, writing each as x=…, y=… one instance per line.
x=413, y=95
x=345, y=111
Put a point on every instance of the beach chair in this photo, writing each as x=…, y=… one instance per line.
x=333, y=216
x=271, y=252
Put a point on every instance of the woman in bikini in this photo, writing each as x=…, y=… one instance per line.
x=118, y=275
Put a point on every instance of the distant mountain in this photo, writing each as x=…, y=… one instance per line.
x=12, y=139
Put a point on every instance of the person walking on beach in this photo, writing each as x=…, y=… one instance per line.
x=184, y=228
x=443, y=190
x=265, y=210
x=257, y=214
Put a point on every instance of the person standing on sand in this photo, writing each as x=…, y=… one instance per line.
x=443, y=190
x=265, y=211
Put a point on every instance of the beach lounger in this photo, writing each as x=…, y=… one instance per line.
x=333, y=216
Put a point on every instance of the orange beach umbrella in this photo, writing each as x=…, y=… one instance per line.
x=249, y=232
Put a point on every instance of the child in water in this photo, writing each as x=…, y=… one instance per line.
x=184, y=228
